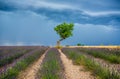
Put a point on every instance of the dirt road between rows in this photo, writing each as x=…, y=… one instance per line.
x=30, y=72
x=74, y=71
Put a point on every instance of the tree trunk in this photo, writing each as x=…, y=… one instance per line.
x=58, y=43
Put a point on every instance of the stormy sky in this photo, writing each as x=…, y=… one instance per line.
x=31, y=22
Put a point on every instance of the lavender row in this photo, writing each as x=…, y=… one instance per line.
x=6, y=51
x=7, y=67
x=113, y=68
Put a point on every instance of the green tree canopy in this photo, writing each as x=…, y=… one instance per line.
x=64, y=30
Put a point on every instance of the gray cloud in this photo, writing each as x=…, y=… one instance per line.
x=67, y=11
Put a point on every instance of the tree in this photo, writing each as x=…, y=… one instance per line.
x=64, y=30
x=79, y=44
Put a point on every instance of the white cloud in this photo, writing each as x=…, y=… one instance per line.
x=19, y=44
x=102, y=13
x=52, y=5
x=41, y=4
x=13, y=44
x=35, y=44
x=7, y=44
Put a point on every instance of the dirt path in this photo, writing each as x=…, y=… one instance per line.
x=30, y=72
x=74, y=71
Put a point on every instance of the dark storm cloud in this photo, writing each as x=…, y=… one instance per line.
x=6, y=7
x=66, y=13
x=78, y=17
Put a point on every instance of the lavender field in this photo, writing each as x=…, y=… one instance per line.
x=40, y=62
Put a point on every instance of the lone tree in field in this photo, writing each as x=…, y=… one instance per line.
x=64, y=30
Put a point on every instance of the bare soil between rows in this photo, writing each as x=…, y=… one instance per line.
x=74, y=71
x=30, y=72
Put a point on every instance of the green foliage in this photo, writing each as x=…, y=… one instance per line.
x=78, y=44
x=64, y=30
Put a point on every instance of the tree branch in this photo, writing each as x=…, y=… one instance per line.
x=61, y=39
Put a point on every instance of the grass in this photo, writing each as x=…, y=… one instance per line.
x=51, y=66
x=13, y=72
x=95, y=68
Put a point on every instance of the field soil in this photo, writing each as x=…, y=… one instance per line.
x=74, y=71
